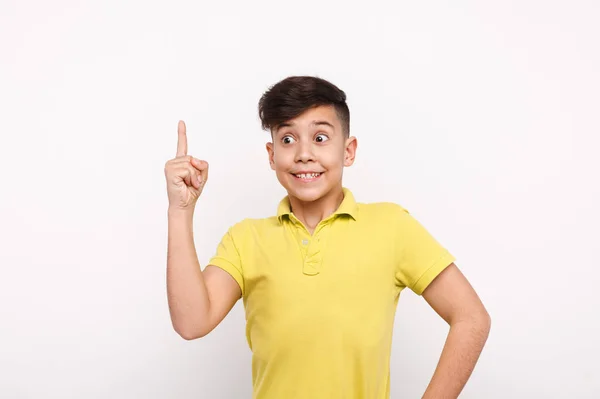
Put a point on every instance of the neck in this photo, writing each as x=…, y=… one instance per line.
x=312, y=212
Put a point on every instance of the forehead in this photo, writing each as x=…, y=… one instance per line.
x=322, y=115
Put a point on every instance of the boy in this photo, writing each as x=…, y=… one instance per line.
x=320, y=280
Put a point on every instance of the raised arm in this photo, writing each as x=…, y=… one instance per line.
x=198, y=300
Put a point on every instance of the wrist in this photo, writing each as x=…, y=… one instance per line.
x=174, y=211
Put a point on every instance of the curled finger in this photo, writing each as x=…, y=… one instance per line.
x=195, y=178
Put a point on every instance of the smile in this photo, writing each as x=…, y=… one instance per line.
x=307, y=176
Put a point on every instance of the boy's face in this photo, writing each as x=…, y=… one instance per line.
x=309, y=152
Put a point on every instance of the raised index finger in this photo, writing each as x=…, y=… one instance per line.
x=181, y=139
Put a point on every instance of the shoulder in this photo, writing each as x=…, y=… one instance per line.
x=382, y=210
x=251, y=227
x=389, y=216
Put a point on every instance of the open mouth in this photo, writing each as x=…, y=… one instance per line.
x=307, y=176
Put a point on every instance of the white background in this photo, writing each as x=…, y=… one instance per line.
x=481, y=118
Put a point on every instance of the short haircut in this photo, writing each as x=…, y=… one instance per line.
x=295, y=94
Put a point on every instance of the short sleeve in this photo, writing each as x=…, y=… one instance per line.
x=420, y=258
x=227, y=257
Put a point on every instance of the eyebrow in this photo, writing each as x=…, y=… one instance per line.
x=313, y=123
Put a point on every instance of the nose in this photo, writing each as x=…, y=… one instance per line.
x=304, y=151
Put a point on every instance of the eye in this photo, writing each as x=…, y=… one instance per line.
x=321, y=138
x=287, y=140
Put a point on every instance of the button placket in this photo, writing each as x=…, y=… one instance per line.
x=314, y=253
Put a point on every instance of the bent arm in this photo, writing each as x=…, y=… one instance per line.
x=455, y=300
x=198, y=300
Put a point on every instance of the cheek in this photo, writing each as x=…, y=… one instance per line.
x=333, y=159
x=281, y=159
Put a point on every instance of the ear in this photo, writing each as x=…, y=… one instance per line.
x=271, y=152
x=350, y=150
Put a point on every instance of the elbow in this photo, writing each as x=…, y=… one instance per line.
x=479, y=322
x=190, y=332
x=190, y=336
x=482, y=324
x=486, y=321
x=489, y=320
x=487, y=326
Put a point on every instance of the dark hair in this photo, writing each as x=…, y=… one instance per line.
x=293, y=95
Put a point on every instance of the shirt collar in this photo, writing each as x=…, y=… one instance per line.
x=347, y=207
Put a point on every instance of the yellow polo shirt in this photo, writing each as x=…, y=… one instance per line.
x=320, y=309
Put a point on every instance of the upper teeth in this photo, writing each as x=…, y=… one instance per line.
x=307, y=175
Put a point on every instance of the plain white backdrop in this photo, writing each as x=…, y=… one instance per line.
x=481, y=118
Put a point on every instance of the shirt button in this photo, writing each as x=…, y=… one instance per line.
x=304, y=242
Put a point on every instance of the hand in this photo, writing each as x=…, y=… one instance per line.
x=186, y=175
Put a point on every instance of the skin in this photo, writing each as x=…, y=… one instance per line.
x=312, y=142
x=453, y=298
x=198, y=301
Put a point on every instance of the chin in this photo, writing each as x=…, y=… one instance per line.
x=306, y=195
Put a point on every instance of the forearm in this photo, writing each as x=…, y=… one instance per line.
x=186, y=290
x=461, y=351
